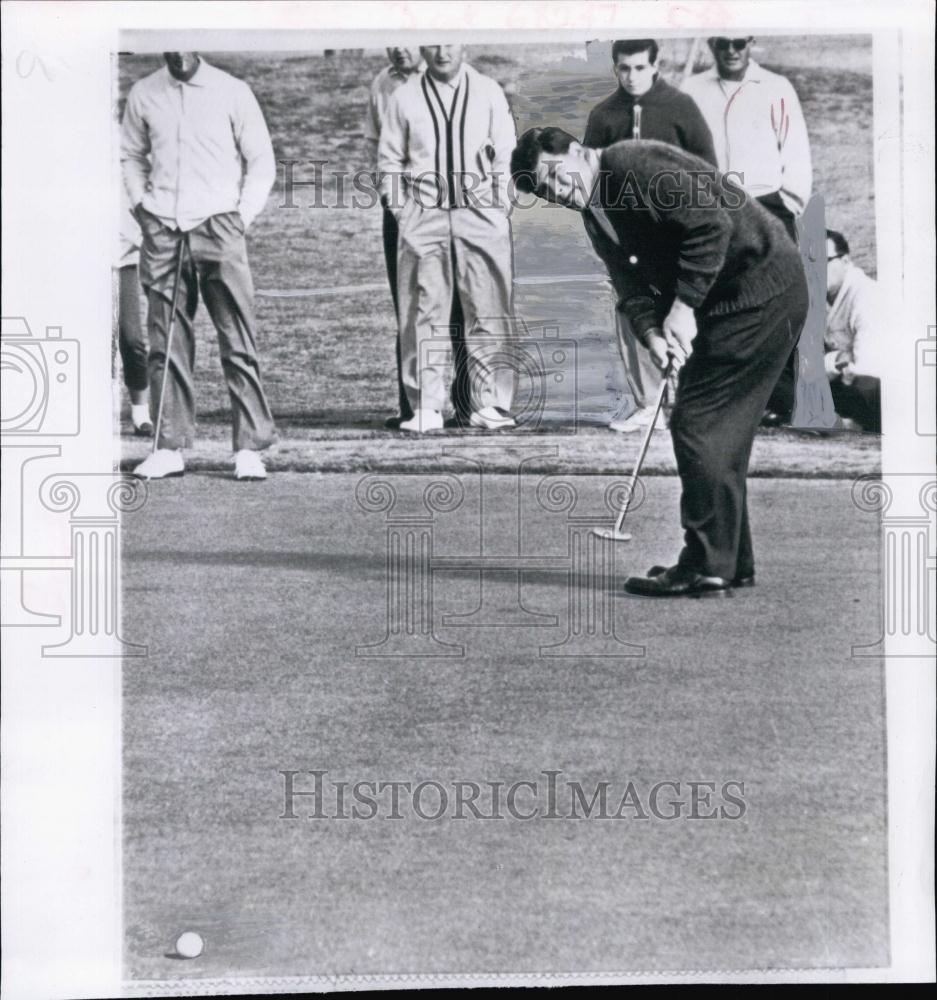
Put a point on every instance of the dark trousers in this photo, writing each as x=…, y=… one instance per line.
x=130, y=338
x=721, y=396
x=861, y=401
x=215, y=265
x=390, y=260
x=459, y=391
x=782, y=396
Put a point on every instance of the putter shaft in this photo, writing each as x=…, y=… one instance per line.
x=640, y=459
x=183, y=246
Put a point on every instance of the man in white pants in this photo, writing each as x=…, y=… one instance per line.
x=444, y=158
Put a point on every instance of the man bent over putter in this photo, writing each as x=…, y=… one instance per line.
x=198, y=165
x=714, y=287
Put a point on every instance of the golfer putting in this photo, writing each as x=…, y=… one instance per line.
x=713, y=287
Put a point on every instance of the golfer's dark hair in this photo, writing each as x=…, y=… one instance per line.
x=526, y=155
x=631, y=47
x=838, y=240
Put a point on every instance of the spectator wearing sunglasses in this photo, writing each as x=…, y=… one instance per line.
x=758, y=128
x=853, y=337
x=761, y=139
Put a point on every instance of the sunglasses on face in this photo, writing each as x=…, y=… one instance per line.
x=724, y=44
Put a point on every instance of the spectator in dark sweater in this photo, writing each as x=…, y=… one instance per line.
x=713, y=287
x=644, y=107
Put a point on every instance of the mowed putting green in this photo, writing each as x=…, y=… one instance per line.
x=253, y=599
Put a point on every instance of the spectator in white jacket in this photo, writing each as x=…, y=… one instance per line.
x=758, y=128
x=444, y=161
x=761, y=141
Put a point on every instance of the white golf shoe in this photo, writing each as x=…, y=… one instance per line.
x=491, y=418
x=164, y=463
x=423, y=421
x=638, y=421
x=249, y=466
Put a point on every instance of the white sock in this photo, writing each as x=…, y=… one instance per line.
x=139, y=413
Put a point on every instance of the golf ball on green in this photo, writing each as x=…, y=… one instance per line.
x=189, y=944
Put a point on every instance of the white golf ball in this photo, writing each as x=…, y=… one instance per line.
x=189, y=944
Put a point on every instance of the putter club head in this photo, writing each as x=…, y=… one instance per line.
x=611, y=534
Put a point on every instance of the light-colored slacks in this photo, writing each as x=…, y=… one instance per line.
x=216, y=266
x=469, y=250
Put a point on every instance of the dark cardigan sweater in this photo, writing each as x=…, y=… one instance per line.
x=667, y=115
x=683, y=230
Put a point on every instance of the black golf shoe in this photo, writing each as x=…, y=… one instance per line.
x=743, y=580
x=678, y=582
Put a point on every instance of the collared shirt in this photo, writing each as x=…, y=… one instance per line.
x=384, y=84
x=758, y=131
x=449, y=88
x=196, y=149
x=854, y=326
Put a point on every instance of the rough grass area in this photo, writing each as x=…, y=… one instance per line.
x=596, y=451
x=333, y=354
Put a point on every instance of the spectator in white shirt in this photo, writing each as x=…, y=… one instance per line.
x=758, y=128
x=444, y=158
x=198, y=166
x=760, y=137
x=853, y=337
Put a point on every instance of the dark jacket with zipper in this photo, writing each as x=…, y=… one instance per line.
x=667, y=115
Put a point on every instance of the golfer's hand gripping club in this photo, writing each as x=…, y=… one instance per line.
x=679, y=332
